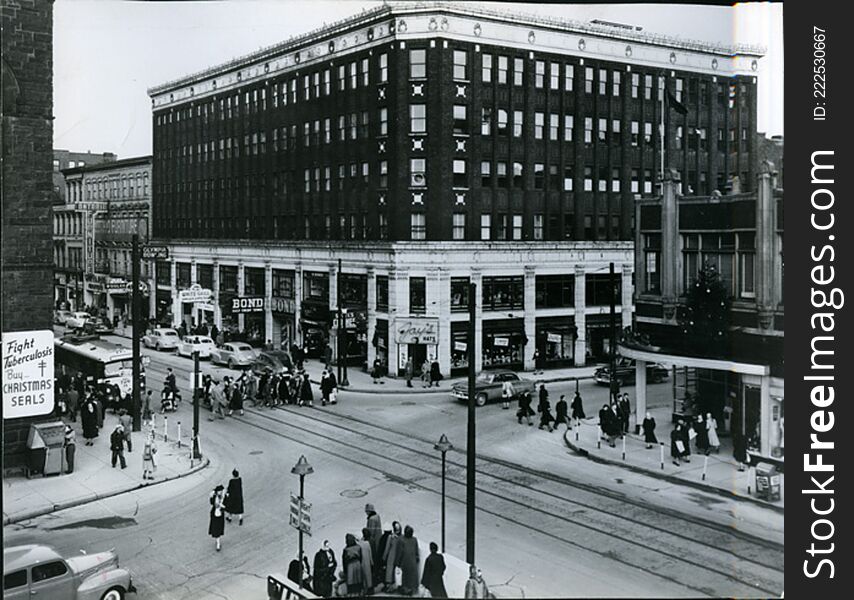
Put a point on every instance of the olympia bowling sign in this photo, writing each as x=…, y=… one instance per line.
x=27, y=374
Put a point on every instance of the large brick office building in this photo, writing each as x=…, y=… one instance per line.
x=428, y=146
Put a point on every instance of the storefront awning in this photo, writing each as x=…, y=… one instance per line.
x=693, y=361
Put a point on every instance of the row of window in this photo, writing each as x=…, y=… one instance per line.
x=68, y=223
x=108, y=188
x=68, y=258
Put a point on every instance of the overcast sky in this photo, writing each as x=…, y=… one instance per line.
x=107, y=53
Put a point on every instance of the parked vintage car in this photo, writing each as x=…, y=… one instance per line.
x=60, y=317
x=100, y=325
x=277, y=361
x=233, y=354
x=77, y=320
x=36, y=571
x=655, y=372
x=161, y=339
x=489, y=384
x=192, y=343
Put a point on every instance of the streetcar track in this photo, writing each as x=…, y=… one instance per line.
x=750, y=539
x=606, y=554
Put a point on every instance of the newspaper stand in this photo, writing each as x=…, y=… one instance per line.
x=45, y=448
x=767, y=481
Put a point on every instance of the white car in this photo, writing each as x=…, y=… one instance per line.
x=161, y=339
x=192, y=343
x=77, y=320
x=60, y=317
x=233, y=354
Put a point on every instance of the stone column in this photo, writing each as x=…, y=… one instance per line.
x=765, y=280
x=241, y=286
x=398, y=308
x=268, y=307
x=477, y=279
x=765, y=416
x=177, y=315
x=640, y=393
x=194, y=272
x=626, y=297
x=215, y=296
x=372, y=318
x=297, y=305
x=580, y=317
x=333, y=307
x=441, y=294
x=530, y=321
x=670, y=246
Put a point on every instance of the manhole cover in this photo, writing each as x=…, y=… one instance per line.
x=254, y=452
x=408, y=403
x=618, y=480
x=353, y=493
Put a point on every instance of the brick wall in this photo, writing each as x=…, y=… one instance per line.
x=27, y=121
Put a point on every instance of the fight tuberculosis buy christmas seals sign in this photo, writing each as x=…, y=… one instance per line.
x=27, y=374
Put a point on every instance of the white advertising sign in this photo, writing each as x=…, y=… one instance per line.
x=553, y=338
x=195, y=293
x=417, y=331
x=27, y=374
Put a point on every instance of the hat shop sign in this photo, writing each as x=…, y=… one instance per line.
x=27, y=374
x=417, y=331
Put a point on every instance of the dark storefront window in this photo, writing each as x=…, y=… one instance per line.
x=459, y=294
x=204, y=275
x=652, y=260
x=500, y=293
x=556, y=340
x=163, y=273
x=555, y=291
x=380, y=340
x=598, y=289
x=382, y=294
x=227, y=292
x=315, y=286
x=228, y=279
x=417, y=294
x=353, y=290
x=182, y=275
x=459, y=347
x=503, y=344
x=254, y=283
x=283, y=284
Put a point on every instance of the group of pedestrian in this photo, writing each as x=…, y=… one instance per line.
x=430, y=373
x=614, y=418
x=226, y=504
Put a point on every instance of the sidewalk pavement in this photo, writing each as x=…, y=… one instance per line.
x=94, y=478
x=721, y=469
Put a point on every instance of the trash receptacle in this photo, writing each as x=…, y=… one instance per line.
x=767, y=481
x=45, y=444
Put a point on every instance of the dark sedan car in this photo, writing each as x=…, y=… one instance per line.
x=277, y=361
x=626, y=371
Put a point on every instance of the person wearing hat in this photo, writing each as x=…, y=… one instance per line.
x=149, y=465
x=375, y=526
x=70, y=447
x=117, y=446
x=234, y=498
x=216, y=528
x=127, y=425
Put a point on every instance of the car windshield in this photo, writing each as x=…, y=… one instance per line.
x=170, y=333
x=243, y=347
x=485, y=377
x=205, y=340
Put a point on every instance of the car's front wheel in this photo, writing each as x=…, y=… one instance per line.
x=480, y=399
x=230, y=363
x=115, y=593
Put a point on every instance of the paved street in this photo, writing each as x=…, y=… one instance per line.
x=618, y=533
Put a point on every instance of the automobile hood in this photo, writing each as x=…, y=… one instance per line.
x=89, y=564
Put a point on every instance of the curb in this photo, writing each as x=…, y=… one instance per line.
x=374, y=390
x=17, y=518
x=670, y=478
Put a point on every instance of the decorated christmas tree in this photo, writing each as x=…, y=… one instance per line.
x=705, y=318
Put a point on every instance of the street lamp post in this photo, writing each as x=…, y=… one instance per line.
x=443, y=445
x=302, y=468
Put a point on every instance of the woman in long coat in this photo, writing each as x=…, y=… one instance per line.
x=560, y=413
x=217, y=523
x=675, y=441
x=409, y=561
x=89, y=417
x=649, y=431
x=236, y=400
x=351, y=558
x=234, y=497
x=577, y=407
x=391, y=555
x=702, y=435
x=306, y=396
x=434, y=571
x=712, y=432
x=324, y=570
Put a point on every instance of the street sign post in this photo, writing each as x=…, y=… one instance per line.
x=299, y=516
x=155, y=252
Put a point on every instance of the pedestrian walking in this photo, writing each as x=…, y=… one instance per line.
x=649, y=431
x=476, y=586
x=409, y=561
x=367, y=561
x=99, y=408
x=306, y=397
x=377, y=371
x=236, y=401
x=739, y=449
x=324, y=570
x=216, y=527
x=218, y=402
x=375, y=526
x=525, y=411
x=72, y=399
x=333, y=381
x=351, y=558
x=170, y=380
x=284, y=392
x=561, y=412
x=146, y=408
x=408, y=371
x=701, y=435
x=70, y=444
x=435, y=373
x=577, y=407
x=149, y=462
x=712, y=433
x=625, y=413
x=538, y=362
x=251, y=388
x=391, y=558
x=688, y=434
x=546, y=417
x=89, y=417
x=117, y=446
x=434, y=571
x=234, y=498
x=325, y=388
x=507, y=394
x=677, y=445
x=425, y=374
x=126, y=422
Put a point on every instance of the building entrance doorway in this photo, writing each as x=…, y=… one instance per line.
x=418, y=354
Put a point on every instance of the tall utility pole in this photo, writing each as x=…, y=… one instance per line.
x=470, y=439
x=135, y=312
x=197, y=392
x=612, y=287
x=342, y=335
